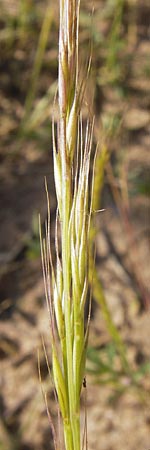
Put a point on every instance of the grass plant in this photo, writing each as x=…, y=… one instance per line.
x=66, y=285
x=97, y=290
x=43, y=38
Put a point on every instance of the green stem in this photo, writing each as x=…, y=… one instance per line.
x=71, y=434
x=68, y=435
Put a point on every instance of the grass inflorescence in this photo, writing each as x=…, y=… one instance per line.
x=66, y=285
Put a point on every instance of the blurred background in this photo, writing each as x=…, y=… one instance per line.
x=117, y=32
